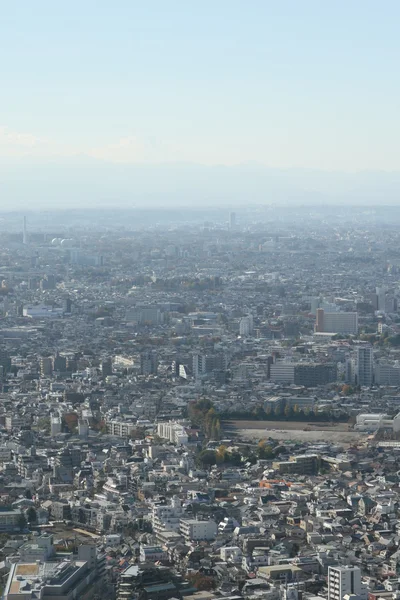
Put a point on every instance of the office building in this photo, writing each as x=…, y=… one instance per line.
x=282, y=372
x=41, y=311
x=311, y=375
x=59, y=363
x=106, y=367
x=346, y=581
x=381, y=298
x=246, y=325
x=336, y=322
x=148, y=363
x=387, y=375
x=207, y=363
x=364, y=370
x=5, y=360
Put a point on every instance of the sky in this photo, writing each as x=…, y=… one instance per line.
x=286, y=85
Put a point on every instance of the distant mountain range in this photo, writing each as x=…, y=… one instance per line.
x=84, y=182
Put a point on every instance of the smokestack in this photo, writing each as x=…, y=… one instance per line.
x=24, y=233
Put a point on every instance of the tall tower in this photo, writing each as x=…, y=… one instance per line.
x=24, y=233
x=232, y=220
x=364, y=366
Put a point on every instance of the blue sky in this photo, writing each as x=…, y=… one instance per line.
x=288, y=83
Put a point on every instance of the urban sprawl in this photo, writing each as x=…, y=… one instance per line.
x=200, y=406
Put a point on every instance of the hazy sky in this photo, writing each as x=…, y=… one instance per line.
x=288, y=83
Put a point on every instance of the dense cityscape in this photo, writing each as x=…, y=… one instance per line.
x=200, y=404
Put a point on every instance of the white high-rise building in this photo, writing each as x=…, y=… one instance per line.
x=246, y=325
x=346, y=581
x=364, y=366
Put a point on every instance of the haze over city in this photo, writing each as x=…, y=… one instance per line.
x=171, y=103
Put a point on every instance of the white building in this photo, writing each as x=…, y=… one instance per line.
x=55, y=426
x=167, y=517
x=120, y=427
x=231, y=554
x=193, y=530
x=370, y=421
x=41, y=311
x=343, y=581
x=246, y=325
x=152, y=553
x=173, y=431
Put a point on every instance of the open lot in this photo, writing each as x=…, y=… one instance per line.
x=293, y=430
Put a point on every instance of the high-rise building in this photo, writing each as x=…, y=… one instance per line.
x=106, y=367
x=5, y=360
x=206, y=363
x=246, y=325
x=46, y=366
x=67, y=305
x=232, y=220
x=148, y=362
x=364, y=366
x=381, y=298
x=314, y=304
x=343, y=581
x=59, y=363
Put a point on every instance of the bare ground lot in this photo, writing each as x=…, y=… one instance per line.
x=292, y=430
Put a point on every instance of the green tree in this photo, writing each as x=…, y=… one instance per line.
x=207, y=458
x=31, y=516
x=21, y=522
x=221, y=454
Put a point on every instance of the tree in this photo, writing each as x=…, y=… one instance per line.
x=21, y=522
x=220, y=454
x=202, y=582
x=265, y=451
x=347, y=390
x=31, y=515
x=207, y=458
